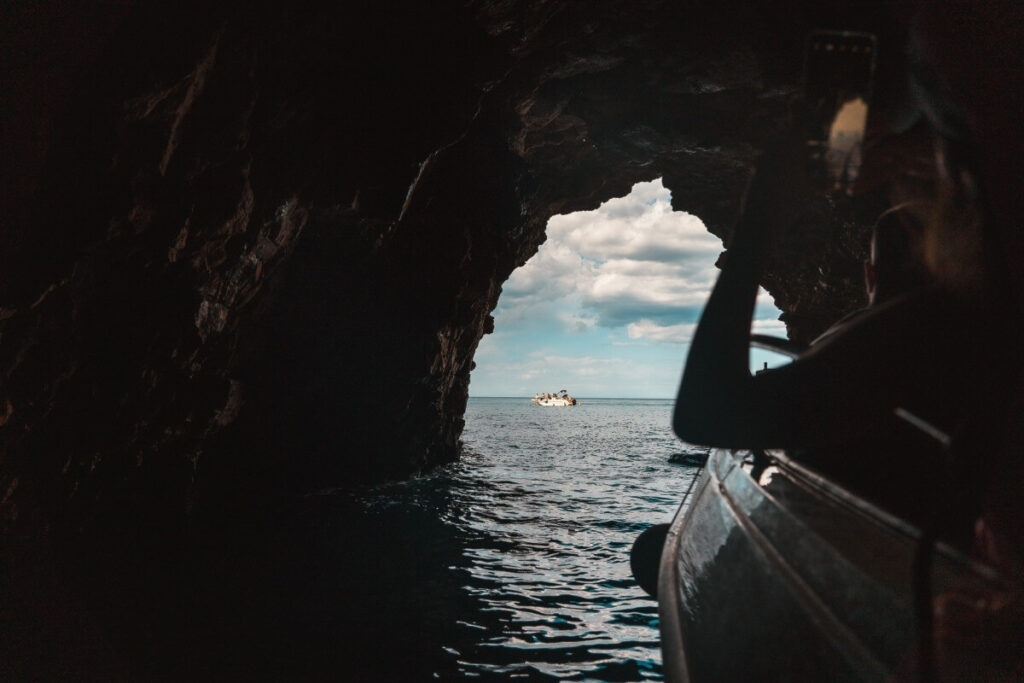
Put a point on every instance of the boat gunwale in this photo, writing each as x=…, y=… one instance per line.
x=820, y=486
x=720, y=468
x=845, y=639
x=669, y=622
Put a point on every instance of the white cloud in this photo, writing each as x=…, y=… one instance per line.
x=632, y=275
x=641, y=226
x=632, y=258
x=766, y=322
x=674, y=334
x=575, y=323
x=555, y=272
x=776, y=328
x=560, y=369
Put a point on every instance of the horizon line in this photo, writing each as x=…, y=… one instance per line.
x=631, y=398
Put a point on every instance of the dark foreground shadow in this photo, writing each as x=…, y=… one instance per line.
x=352, y=585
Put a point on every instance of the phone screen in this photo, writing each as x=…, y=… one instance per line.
x=839, y=70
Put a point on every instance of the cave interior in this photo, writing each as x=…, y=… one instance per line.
x=249, y=250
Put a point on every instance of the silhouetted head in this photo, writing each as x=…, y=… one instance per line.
x=965, y=60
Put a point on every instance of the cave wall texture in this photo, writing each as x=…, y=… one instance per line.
x=250, y=249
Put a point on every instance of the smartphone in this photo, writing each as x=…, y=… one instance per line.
x=839, y=71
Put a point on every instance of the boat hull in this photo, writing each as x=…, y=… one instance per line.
x=793, y=580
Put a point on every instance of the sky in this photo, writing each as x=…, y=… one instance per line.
x=608, y=304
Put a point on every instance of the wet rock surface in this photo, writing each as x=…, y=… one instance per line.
x=249, y=251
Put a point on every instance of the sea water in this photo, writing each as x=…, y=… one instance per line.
x=563, y=492
x=523, y=567
x=510, y=564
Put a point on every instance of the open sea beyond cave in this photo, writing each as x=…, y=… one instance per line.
x=558, y=495
x=510, y=564
x=513, y=563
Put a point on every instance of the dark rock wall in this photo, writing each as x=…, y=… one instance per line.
x=252, y=249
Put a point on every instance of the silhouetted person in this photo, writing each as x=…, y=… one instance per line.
x=928, y=345
x=895, y=265
x=948, y=352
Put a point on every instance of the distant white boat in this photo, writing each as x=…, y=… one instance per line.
x=561, y=399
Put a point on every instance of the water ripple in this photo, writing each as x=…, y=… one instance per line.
x=510, y=564
x=555, y=499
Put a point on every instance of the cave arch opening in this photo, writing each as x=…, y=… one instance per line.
x=608, y=304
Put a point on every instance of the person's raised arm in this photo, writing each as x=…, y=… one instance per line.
x=887, y=359
x=719, y=402
x=717, y=367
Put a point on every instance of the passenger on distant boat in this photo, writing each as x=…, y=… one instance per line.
x=559, y=400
